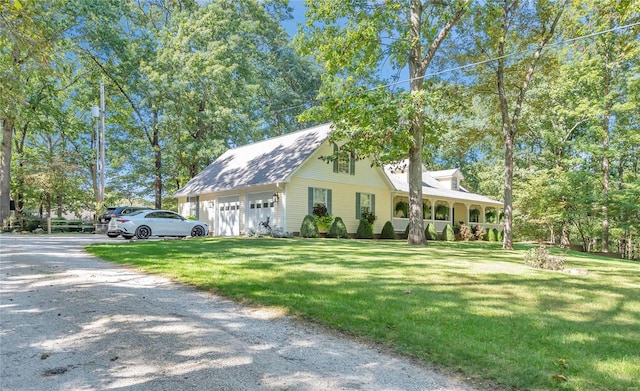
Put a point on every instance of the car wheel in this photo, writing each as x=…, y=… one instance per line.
x=143, y=232
x=127, y=236
x=112, y=235
x=196, y=231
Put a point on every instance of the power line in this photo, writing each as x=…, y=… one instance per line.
x=493, y=59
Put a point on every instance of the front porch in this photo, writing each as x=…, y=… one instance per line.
x=441, y=212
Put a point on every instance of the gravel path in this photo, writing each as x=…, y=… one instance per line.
x=69, y=321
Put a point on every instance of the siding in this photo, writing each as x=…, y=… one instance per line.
x=317, y=173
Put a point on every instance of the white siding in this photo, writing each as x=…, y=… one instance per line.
x=317, y=173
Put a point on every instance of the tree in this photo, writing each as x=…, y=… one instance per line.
x=511, y=36
x=353, y=40
x=27, y=34
x=606, y=63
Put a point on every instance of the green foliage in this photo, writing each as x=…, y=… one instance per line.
x=365, y=231
x=430, y=232
x=322, y=217
x=448, y=234
x=402, y=209
x=309, y=228
x=441, y=212
x=388, y=232
x=541, y=258
x=492, y=235
x=338, y=229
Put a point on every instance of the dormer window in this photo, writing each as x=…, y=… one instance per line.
x=344, y=162
x=454, y=183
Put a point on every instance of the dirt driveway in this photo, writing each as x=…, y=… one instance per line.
x=69, y=321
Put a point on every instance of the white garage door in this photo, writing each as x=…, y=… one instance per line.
x=260, y=208
x=228, y=216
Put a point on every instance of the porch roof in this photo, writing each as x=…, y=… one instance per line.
x=431, y=187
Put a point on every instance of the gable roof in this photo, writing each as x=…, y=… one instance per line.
x=431, y=186
x=264, y=162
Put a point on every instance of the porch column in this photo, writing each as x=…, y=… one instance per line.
x=433, y=211
x=451, y=216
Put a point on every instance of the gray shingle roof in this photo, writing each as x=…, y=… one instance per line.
x=433, y=187
x=264, y=162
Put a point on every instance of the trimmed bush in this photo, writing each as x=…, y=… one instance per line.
x=430, y=232
x=406, y=232
x=491, y=235
x=448, y=234
x=309, y=228
x=388, y=232
x=338, y=229
x=499, y=235
x=364, y=230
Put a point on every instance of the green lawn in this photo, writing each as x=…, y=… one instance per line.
x=470, y=307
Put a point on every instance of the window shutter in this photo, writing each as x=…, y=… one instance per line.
x=373, y=203
x=352, y=164
x=310, y=203
x=358, y=212
x=335, y=160
x=329, y=201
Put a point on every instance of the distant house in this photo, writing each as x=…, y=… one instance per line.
x=283, y=178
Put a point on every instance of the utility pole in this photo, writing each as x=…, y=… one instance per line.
x=99, y=112
x=101, y=142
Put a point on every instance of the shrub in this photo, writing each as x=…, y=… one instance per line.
x=406, y=232
x=364, y=230
x=465, y=232
x=338, y=229
x=388, y=232
x=448, y=234
x=479, y=233
x=541, y=258
x=430, y=232
x=491, y=235
x=499, y=235
x=309, y=228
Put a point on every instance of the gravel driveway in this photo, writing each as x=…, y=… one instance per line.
x=70, y=321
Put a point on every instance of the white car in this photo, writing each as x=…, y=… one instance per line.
x=146, y=223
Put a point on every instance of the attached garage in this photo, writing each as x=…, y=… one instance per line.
x=260, y=208
x=228, y=216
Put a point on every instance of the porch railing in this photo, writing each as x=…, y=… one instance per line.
x=400, y=224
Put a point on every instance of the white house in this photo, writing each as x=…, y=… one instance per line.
x=283, y=178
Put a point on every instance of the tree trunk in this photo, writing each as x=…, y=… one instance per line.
x=564, y=240
x=5, y=170
x=416, y=72
x=158, y=162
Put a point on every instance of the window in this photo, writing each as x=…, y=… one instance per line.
x=365, y=203
x=454, y=183
x=193, y=206
x=344, y=162
x=319, y=197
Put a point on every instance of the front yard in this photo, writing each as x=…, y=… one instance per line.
x=467, y=306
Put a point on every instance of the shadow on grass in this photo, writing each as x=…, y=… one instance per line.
x=470, y=306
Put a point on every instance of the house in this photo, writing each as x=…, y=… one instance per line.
x=281, y=179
